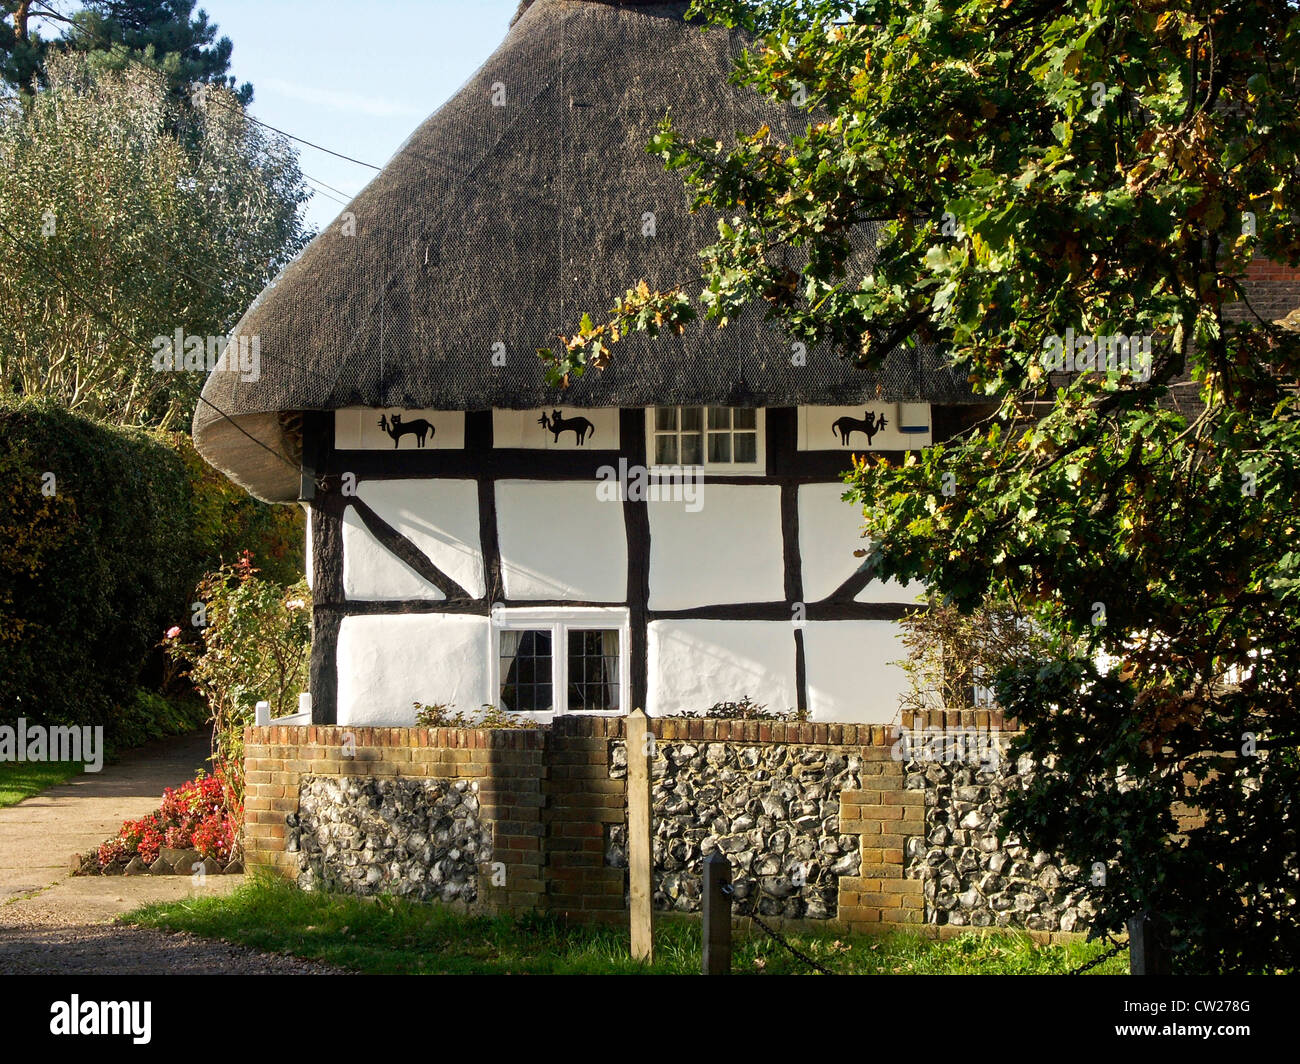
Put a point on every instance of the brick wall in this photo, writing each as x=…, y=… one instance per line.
x=507, y=765
x=549, y=799
x=1272, y=288
x=884, y=815
x=580, y=800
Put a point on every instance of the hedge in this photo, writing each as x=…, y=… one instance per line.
x=97, y=559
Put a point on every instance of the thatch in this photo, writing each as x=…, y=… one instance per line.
x=502, y=224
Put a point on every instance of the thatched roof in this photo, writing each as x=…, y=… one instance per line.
x=502, y=224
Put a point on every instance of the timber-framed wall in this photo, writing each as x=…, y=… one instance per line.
x=339, y=475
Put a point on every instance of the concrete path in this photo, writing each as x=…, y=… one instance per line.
x=39, y=835
x=54, y=922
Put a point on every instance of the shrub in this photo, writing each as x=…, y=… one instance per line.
x=950, y=653
x=227, y=521
x=148, y=716
x=745, y=709
x=255, y=646
x=440, y=715
x=92, y=561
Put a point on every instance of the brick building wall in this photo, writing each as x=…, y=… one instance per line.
x=1272, y=288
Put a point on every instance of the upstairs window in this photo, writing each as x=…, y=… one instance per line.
x=716, y=438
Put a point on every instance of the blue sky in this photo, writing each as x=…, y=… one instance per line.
x=316, y=78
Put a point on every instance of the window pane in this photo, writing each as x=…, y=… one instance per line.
x=692, y=450
x=746, y=446
x=719, y=446
x=593, y=670
x=745, y=419
x=665, y=418
x=526, y=670
x=665, y=450
x=719, y=417
x=692, y=418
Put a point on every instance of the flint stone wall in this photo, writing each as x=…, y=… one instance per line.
x=772, y=810
x=419, y=838
x=820, y=821
x=974, y=873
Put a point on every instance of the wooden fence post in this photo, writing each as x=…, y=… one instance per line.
x=639, y=744
x=1146, y=954
x=716, y=916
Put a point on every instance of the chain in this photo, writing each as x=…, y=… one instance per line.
x=776, y=937
x=772, y=933
x=1116, y=948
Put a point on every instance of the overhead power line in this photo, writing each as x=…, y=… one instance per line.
x=126, y=54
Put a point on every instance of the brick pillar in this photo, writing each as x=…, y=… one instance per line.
x=511, y=800
x=581, y=801
x=883, y=814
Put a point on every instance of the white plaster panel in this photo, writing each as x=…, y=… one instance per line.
x=388, y=662
x=728, y=549
x=850, y=678
x=373, y=573
x=558, y=541
x=818, y=432
x=830, y=530
x=440, y=516
x=696, y=664
x=523, y=428
x=358, y=429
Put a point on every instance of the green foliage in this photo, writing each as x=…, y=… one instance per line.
x=745, y=709
x=91, y=574
x=148, y=716
x=440, y=715
x=950, y=652
x=226, y=521
x=388, y=935
x=22, y=47
x=1188, y=802
x=255, y=646
x=1036, y=172
x=125, y=215
x=165, y=33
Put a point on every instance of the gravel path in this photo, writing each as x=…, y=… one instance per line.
x=34, y=947
x=55, y=923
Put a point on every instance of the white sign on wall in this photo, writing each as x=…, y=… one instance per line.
x=395, y=429
x=557, y=429
x=870, y=427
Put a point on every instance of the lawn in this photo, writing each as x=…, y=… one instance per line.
x=392, y=936
x=22, y=779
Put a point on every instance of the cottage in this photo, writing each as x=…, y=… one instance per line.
x=465, y=545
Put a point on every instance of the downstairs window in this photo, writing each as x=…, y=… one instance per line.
x=560, y=661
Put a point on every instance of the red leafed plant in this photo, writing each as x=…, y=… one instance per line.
x=203, y=814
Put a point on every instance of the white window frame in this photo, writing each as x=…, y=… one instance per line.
x=559, y=620
x=757, y=468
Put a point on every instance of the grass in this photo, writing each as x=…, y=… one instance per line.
x=393, y=936
x=141, y=720
x=22, y=779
